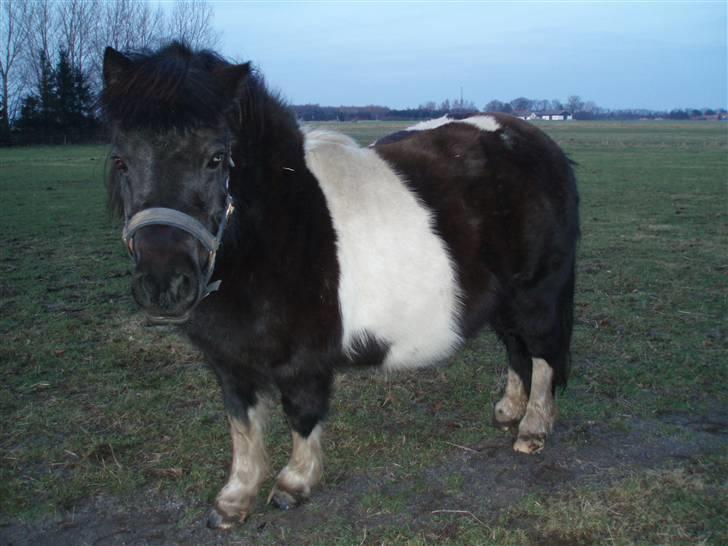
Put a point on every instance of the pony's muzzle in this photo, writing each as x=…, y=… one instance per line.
x=157, y=238
x=168, y=298
x=166, y=279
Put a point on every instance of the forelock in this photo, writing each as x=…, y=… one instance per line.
x=172, y=88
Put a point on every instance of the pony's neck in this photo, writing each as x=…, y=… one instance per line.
x=279, y=199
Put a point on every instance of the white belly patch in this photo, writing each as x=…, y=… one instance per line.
x=397, y=281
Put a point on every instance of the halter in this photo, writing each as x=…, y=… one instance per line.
x=175, y=218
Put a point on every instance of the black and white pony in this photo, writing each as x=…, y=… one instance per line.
x=333, y=255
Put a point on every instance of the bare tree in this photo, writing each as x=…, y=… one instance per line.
x=129, y=24
x=574, y=104
x=124, y=25
x=463, y=105
x=521, y=104
x=591, y=107
x=149, y=26
x=42, y=38
x=540, y=105
x=13, y=15
x=191, y=22
x=494, y=106
x=76, y=22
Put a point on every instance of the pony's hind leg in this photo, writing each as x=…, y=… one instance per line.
x=305, y=403
x=540, y=414
x=510, y=409
x=542, y=320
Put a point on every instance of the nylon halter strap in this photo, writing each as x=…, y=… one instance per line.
x=175, y=218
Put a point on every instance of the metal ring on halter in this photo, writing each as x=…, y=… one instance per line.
x=175, y=218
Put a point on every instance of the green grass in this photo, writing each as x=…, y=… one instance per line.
x=671, y=506
x=92, y=401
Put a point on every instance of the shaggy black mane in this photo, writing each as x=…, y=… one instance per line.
x=172, y=88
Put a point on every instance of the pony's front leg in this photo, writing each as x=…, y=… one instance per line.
x=236, y=499
x=303, y=471
x=305, y=402
x=246, y=412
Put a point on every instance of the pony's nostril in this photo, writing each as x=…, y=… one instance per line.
x=180, y=287
x=150, y=287
x=145, y=289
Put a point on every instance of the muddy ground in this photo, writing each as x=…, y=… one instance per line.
x=493, y=479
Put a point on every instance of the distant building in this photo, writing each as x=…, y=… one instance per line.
x=525, y=114
x=557, y=115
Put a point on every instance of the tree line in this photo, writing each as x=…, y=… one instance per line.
x=521, y=106
x=51, y=53
x=589, y=110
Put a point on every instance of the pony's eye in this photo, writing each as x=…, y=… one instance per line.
x=216, y=160
x=119, y=164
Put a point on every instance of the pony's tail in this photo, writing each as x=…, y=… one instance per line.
x=562, y=366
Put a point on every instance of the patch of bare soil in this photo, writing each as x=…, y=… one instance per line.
x=489, y=476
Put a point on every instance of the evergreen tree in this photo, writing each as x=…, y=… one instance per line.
x=62, y=104
x=83, y=99
x=46, y=97
x=29, y=114
x=64, y=86
x=4, y=128
x=37, y=109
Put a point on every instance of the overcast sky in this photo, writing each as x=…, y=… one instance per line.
x=658, y=55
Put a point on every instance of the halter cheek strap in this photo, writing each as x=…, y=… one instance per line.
x=175, y=218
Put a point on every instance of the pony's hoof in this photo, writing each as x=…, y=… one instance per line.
x=284, y=499
x=505, y=424
x=218, y=519
x=529, y=444
x=507, y=413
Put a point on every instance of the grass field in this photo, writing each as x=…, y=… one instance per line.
x=114, y=429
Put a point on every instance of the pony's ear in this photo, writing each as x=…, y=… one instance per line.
x=232, y=78
x=115, y=65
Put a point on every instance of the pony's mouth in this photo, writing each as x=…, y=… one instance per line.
x=160, y=320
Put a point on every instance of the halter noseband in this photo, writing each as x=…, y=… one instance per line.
x=175, y=218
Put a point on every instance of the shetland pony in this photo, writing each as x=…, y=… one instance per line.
x=286, y=254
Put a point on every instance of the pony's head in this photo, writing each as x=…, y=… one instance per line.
x=172, y=115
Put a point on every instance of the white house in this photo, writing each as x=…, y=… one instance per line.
x=562, y=115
